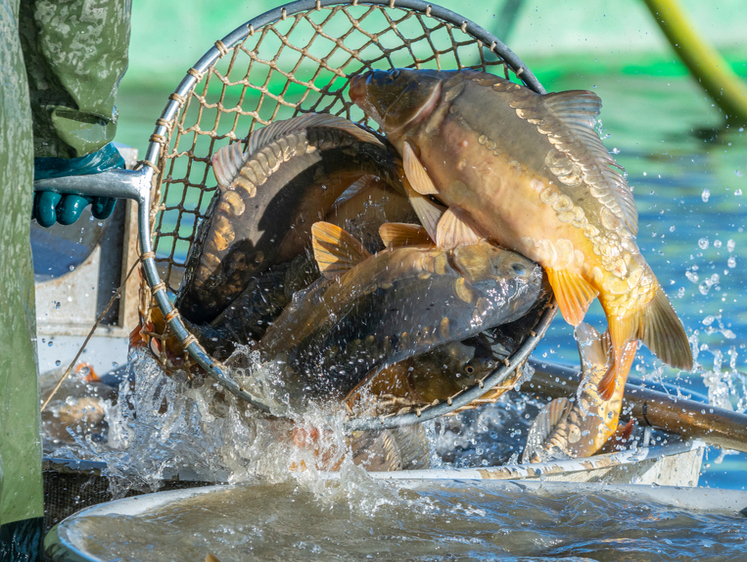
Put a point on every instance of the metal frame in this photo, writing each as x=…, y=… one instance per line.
x=137, y=185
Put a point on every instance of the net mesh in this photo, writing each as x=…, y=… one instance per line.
x=298, y=64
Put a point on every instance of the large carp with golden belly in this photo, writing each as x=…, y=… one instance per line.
x=529, y=172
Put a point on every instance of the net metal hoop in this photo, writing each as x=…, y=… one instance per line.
x=163, y=150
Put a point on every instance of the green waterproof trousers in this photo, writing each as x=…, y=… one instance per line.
x=60, y=64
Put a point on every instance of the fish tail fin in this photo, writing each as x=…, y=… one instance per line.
x=662, y=332
x=656, y=324
x=573, y=294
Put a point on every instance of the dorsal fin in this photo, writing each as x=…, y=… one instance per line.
x=575, y=107
x=579, y=110
x=456, y=229
x=335, y=250
x=416, y=173
x=277, y=129
x=397, y=234
x=227, y=161
x=543, y=426
x=354, y=189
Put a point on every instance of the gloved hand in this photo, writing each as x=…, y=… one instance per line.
x=50, y=207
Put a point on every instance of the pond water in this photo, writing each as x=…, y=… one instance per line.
x=359, y=519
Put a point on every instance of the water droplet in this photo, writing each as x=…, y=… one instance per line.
x=57, y=363
x=739, y=175
x=732, y=262
x=717, y=243
x=692, y=276
x=730, y=245
x=738, y=192
x=615, y=150
x=50, y=343
x=703, y=243
x=706, y=195
x=71, y=268
x=671, y=228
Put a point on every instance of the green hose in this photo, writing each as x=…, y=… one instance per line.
x=704, y=62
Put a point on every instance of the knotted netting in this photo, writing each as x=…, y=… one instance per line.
x=292, y=60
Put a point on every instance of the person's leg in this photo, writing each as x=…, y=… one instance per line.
x=21, y=504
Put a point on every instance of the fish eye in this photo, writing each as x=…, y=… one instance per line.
x=519, y=269
x=469, y=369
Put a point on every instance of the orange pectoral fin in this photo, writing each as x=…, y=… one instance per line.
x=572, y=292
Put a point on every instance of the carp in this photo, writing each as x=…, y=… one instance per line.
x=368, y=312
x=529, y=172
x=268, y=196
x=368, y=204
x=434, y=376
x=566, y=429
x=362, y=209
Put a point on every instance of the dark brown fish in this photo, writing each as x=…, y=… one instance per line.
x=373, y=311
x=269, y=196
x=362, y=209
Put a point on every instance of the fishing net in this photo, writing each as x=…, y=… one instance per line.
x=279, y=65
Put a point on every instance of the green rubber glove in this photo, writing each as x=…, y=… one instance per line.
x=50, y=207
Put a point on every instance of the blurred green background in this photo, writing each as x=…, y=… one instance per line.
x=573, y=43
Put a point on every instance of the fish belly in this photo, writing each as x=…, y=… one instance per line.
x=505, y=197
